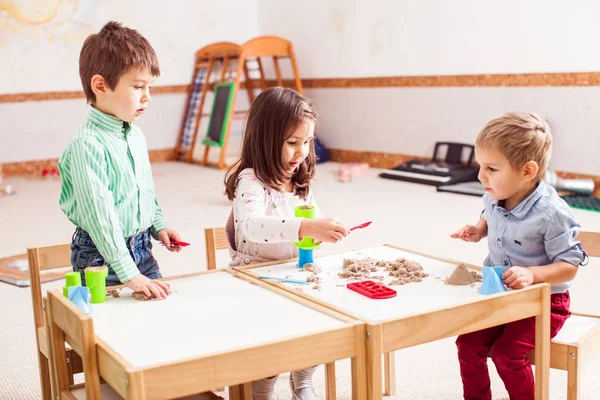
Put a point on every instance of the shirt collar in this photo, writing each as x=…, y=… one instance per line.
x=108, y=123
x=523, y=207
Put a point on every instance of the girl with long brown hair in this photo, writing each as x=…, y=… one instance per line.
x=272, y=178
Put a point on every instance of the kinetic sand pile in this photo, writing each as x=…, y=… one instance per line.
x=315, y=279
x=404, y=271
x=141, y=296
x=462, y=276
x=359, y=270
x=313, y=270
x=309, y=267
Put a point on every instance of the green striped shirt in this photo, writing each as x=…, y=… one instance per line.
x=107, y=187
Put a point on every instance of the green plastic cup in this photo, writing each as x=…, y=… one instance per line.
x=305, y=212
x=308, y=212
x=95, y=280
x=71, y=279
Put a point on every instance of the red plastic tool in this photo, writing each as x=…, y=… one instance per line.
x=373, y=290
x=363, y=225
x=175, y=243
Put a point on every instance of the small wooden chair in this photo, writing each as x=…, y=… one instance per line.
x=43, y=259
x=579, y=338
x=65, y=322
x=215, y=239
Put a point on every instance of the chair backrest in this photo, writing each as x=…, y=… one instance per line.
x=42, y=259
x=215, y=239
x=590, y=242
x=67, y=322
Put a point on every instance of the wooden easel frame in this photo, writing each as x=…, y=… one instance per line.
x=208, y=59
x=225, y=54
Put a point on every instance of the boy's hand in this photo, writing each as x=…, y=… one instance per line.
x=518, y=277
x=151, y=288
x=323, y=230
x=166, y=235
x=468, y=233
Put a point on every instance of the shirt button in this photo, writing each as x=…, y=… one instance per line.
x=506, y=215
x=246, y=261
x=505, y=262
x=499, y=239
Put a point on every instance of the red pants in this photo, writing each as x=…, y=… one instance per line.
x=508, y=346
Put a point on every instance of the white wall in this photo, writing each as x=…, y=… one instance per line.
x=42, y=130
x=409, y=120
x=358, y=38
x=354, y=38
x=333, y=38
x=46, y=59
x=43, y=59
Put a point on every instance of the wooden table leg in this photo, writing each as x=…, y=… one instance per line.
x=236, y=392
x=542, y=347
x=374, y=352
x=247, y=391
x=573, y=370
x=389, y=372
x=359, y=365
x=330, y=389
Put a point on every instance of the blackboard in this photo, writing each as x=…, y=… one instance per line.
x=220, y=115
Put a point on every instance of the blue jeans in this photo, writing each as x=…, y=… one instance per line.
x=85, y=254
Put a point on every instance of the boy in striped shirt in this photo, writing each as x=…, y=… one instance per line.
x=107, y=186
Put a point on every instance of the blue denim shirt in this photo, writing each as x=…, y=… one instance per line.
x=539, y=231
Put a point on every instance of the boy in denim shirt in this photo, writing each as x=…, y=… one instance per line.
x=107, y=186
x=532, y=235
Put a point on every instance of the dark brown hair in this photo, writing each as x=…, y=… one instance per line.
x=110, y=53
x=273, y=117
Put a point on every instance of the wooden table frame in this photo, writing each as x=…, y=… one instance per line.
x=185, y=377
x=383, y=337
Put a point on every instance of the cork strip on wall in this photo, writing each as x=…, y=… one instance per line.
x=40, y=168
x=499, y=80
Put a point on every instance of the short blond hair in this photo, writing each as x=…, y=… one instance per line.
x=521, y=137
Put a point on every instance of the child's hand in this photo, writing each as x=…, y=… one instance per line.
x=323, y=230
x=468, y=233
x=518, y=277
x=151, y=288
x=166, y=235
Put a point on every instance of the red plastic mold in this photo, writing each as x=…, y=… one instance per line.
x=373, y=290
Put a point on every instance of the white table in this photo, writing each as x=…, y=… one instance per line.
x=218, y=328
x=421, y=312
